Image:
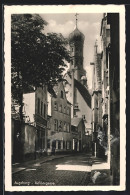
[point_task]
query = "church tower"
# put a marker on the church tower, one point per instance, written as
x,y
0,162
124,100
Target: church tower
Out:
x,y
76,81
76,42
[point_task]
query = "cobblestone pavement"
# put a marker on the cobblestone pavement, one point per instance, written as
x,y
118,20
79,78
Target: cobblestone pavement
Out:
x,y
69,171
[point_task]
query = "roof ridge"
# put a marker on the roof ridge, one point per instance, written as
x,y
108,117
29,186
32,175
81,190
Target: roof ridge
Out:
x,y
84,92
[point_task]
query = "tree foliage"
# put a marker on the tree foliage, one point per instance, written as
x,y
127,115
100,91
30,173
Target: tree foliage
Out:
x,y
36,58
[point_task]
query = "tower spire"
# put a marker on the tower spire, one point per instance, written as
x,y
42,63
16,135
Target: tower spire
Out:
x,y
76,19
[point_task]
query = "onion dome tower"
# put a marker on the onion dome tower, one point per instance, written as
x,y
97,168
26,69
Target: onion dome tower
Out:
x,y
76,42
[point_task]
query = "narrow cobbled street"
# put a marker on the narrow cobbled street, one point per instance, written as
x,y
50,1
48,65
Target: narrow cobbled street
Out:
x,y
70,170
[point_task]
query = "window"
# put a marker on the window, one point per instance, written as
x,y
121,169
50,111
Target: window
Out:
x,y
55,106
60,125
83,117
59,144
68,145
65,109
64,126
96,102
48,143
73,128
54,144
38,106
63,144
48,125
44,110
41,108
62,94
60,108
72,49
55,124
68,111
68,127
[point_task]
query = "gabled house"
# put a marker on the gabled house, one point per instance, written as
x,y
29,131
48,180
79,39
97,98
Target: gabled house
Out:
x,y
29,136
35,110
78,133
59,121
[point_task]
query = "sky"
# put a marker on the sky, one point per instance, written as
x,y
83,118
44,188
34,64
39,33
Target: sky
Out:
x,y
89,24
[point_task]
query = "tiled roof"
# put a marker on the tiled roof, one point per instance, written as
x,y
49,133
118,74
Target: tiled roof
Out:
x,y
75,121
69,102
84,92
52,91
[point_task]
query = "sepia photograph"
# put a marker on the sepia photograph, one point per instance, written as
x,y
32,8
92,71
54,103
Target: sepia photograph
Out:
x,y
64,98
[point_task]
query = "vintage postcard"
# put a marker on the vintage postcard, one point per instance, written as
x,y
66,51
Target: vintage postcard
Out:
x,y
65,123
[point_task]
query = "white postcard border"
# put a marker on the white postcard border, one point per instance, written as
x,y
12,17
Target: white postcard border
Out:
x,y
8,10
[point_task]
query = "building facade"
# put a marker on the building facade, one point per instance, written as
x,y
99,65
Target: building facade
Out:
x,y
114,93
29,136
35,113
96,119
78,134
59,137
106,97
